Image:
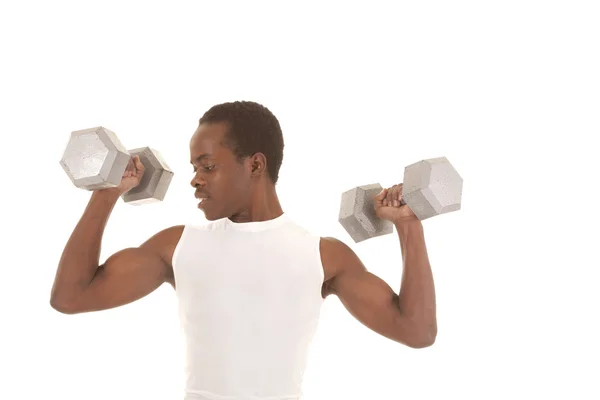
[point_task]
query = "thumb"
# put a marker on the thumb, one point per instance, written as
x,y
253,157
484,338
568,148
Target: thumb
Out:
x,y
138,163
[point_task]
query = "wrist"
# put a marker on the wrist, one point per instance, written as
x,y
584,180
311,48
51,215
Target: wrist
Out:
x,y
410,234
406,226
109,194
412,242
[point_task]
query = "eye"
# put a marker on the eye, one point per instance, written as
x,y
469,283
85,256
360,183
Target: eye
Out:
x,y
206,168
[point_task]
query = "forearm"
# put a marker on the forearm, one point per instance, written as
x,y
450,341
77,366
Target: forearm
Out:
x,y
81,255
417,291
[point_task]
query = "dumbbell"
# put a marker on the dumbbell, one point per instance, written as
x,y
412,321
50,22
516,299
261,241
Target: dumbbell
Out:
x,y
430,187
96,159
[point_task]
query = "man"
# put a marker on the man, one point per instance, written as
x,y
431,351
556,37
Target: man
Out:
x,y
250,283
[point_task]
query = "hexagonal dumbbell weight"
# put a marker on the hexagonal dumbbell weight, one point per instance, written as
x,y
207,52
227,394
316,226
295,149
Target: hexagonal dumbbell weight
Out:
x,y
95,159
430,187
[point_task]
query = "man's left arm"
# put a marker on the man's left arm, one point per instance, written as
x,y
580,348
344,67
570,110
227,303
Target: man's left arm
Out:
x,y
408,317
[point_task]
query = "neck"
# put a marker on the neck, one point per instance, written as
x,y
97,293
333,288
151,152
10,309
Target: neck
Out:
x,y
263,207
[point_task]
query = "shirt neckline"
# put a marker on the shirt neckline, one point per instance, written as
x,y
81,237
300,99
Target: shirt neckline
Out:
x,y
256,226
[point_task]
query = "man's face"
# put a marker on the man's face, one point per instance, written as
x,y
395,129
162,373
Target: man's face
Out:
x,y
217,174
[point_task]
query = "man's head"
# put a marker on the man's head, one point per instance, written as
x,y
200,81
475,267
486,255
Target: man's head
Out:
x,y
236,151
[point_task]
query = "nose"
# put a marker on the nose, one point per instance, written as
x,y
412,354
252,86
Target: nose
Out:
x,y
196,181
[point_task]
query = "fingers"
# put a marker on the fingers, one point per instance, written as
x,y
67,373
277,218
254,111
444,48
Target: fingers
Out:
x,y
134,166
128,168
381,195
397,196
390,197
394,196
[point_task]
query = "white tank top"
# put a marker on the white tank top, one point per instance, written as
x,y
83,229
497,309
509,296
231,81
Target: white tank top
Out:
x,y
249,298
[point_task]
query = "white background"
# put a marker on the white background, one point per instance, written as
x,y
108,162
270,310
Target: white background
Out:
x,y
508,91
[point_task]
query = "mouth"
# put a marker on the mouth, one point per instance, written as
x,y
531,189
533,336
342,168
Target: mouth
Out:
x,y
202,201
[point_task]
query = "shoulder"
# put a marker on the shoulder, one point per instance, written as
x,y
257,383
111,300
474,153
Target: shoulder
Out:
x,y
165,241
337,258
337,254
162,245
167,236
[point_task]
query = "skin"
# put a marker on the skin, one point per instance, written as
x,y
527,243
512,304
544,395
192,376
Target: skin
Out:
x,y
243,192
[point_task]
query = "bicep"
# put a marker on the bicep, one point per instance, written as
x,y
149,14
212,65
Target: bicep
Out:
x,y
368,298
130,274
125,277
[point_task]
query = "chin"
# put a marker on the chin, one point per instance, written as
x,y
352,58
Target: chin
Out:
x,y
211,216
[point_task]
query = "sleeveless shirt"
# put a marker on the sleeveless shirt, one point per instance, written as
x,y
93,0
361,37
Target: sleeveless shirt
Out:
x,y
249,300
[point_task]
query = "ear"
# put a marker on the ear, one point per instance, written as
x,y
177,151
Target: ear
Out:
x,y
258,164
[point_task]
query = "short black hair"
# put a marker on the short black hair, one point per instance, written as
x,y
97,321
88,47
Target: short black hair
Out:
x,y
252,128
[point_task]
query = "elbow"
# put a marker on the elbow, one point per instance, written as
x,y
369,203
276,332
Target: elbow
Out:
x,y
423,341
66,299
62,307
63,304
421,338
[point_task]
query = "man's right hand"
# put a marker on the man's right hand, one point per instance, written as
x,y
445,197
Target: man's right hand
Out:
x,y
132,175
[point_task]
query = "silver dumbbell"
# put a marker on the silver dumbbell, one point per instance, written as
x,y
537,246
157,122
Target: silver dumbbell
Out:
x,y
430,187
96,159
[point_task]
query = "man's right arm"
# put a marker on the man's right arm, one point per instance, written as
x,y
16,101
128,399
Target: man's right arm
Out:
x,y
82,284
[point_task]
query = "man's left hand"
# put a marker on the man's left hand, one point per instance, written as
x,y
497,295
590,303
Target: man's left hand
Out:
x,y
387,206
